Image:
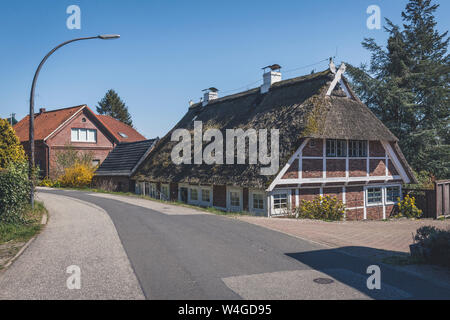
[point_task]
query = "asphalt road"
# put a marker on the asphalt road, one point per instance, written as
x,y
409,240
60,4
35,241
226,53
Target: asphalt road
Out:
x,y
180,253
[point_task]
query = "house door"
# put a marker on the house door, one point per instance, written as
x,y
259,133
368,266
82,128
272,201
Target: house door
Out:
x,y
184,194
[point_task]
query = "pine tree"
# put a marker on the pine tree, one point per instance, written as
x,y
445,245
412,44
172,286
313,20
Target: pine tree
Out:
x,y
407,87
113,106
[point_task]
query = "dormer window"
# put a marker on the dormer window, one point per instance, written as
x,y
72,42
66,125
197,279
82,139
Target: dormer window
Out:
x,y
123,135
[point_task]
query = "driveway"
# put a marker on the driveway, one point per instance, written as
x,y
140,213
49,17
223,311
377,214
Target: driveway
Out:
x,y
181,253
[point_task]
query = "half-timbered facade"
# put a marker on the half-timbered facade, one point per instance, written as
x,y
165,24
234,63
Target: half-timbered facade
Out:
x,y
330,143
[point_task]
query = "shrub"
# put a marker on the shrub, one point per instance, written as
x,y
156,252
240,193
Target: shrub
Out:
x,y
69,157
407,208
79,175
323,208
47,182
14,192
435,243
11,151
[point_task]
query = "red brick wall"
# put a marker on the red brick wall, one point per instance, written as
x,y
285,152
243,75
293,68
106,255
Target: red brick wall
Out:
x,y
376,149
354,196
335,168
292,172
312,168
377,167
309,194
357,167
173,190
374,213
62,138
333,192
313,151
220,196
392,171
355,214
245,199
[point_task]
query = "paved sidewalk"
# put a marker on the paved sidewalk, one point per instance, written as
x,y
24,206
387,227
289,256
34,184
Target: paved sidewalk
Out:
x,y
385,235
81,234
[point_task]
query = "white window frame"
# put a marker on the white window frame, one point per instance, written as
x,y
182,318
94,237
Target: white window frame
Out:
x,y
278,212
375,204
240,192
209,189
190,200
399,186
78,130
251,204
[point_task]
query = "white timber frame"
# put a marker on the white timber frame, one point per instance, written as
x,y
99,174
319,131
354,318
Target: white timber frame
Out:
x,y
390,159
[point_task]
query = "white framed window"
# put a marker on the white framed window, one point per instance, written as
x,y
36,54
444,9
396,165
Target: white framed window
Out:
x,y
83,135
280,201
164,192
374,195
357,148
336,148
194,194
392,194
258,201
206,195
235,199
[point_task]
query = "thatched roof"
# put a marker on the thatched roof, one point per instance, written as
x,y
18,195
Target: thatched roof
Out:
x,y
298,107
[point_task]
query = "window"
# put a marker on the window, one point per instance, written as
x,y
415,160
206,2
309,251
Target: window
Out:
x,y
205,195
374,195
84,135
95,162
164,192
235,199
392,193
123,135
357,148
153,192
336,148
194,194
137,187
280,201
258,201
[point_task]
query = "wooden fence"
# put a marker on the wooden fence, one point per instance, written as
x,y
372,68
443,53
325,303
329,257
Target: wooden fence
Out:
x,y
434,203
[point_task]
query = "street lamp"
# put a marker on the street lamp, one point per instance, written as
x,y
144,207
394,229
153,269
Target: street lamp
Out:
x,y
31,129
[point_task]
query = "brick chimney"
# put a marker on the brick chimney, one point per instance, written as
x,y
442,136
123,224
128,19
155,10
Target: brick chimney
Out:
x,y
271,75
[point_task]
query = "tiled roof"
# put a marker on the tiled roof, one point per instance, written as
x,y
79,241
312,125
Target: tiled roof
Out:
x,y
121,131
44,123
124,158
47,122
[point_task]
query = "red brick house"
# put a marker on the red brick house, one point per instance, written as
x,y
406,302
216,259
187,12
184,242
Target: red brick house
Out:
x,y
76,126
330,143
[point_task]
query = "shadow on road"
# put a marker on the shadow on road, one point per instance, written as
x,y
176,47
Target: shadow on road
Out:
x,y
348,267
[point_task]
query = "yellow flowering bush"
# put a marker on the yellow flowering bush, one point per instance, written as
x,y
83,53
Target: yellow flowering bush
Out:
x,y
47,182
11,151
323,208
79,175
407,207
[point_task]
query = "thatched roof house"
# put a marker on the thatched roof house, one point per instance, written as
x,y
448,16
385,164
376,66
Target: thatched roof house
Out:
x,y
314,108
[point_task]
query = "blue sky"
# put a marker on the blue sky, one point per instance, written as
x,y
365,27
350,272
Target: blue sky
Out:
x,y
170,50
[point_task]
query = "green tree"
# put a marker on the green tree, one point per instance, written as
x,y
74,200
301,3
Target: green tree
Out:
x,y
11,151
113,106
407,86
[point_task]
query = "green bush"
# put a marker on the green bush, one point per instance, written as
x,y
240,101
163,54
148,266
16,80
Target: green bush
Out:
x,y
435,245
14,192
323,208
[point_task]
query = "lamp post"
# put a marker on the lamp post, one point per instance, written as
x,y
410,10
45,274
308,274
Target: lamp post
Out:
x,y
31,127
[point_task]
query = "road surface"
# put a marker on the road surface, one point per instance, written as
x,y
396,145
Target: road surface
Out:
x,y
181,253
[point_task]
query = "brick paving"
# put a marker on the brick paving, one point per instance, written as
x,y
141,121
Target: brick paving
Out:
x,y
385,235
